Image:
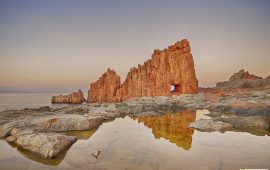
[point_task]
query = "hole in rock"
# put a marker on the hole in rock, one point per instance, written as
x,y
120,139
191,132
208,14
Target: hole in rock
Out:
x,y
174,88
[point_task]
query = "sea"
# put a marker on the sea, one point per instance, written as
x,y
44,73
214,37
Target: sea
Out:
x,y
14,101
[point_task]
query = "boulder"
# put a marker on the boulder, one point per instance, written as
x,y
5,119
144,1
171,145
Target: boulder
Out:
x,y
6,129
210,125
54,123
48,145
243,122
65,123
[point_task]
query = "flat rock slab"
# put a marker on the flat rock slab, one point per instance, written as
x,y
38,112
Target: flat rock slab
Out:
x,y
53,123
49,145
65,122
240,122
209,125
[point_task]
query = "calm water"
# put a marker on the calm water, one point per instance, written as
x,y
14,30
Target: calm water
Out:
x,y
150,142
25,100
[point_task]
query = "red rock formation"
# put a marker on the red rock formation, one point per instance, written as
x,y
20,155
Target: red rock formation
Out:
x,y
243,79
171,67
104,89
73,98
242,75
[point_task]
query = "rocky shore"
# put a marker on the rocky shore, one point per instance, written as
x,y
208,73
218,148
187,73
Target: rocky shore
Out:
x,y
41,130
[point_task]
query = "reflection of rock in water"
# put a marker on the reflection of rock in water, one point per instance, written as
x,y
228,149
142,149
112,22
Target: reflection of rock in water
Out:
x,y
37,158
81,134
172,126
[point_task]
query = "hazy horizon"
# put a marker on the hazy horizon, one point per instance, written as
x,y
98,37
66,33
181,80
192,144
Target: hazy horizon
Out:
x,y
63,46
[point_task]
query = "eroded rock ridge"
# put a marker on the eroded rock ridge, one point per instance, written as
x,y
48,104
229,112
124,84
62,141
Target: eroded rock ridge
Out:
x,y
169,71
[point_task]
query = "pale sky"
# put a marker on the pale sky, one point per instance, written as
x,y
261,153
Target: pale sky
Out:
x,y
65,45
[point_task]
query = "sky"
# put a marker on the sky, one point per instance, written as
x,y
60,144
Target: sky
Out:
x,y
65,45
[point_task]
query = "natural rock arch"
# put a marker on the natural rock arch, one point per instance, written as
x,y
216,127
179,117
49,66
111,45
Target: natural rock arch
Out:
x,y
171,66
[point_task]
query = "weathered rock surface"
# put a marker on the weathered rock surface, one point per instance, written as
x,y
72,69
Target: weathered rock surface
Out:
x,y
257,123
49,145
34,133
210,125
73,98
170,68
243,75
243,79
35,129
6,129
242,122
70,122
104,90
53,123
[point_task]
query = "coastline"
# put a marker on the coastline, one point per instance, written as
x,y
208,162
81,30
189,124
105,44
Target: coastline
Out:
x,y
246,110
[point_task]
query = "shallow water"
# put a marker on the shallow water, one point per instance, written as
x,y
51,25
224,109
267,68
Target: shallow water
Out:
x,y
150,142
26,100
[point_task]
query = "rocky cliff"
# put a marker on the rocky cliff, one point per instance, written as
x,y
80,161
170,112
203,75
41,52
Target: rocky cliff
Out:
x,y
73,98
104,89
170,71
